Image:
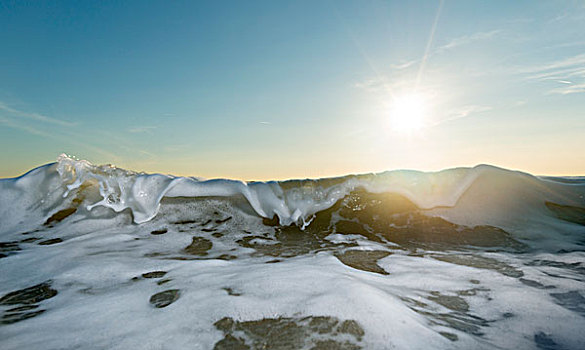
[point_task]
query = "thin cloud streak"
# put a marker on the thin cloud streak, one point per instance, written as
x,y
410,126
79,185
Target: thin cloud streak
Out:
x,y
452,44
563,63
34,116
561,74
468,39
568,71
142,129
15,125
569,89
404,65
372,85
462,112
58,130
55,136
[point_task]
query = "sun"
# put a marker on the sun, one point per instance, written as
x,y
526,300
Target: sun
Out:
x,y
407,113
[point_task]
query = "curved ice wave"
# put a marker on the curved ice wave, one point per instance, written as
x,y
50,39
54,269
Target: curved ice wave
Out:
x,y
480,195
293,201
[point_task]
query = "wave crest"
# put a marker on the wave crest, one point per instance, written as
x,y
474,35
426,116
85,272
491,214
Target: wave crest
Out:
x,y
482,195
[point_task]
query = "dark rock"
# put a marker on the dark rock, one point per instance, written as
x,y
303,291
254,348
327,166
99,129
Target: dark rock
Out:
x,y
199,246
51,241
314,332
481,262
230,342
334,345
351,327
23,308
60,216
224,220
567,213
225,324
544,342
365,260
166,298
322,324
185,222
231,292
275,221
159,232
8,248
10,318
227,257
29,295
154,274
450,336
454,303
535,284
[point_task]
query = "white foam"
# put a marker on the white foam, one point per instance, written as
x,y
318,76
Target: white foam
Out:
x,y
483,195
100,306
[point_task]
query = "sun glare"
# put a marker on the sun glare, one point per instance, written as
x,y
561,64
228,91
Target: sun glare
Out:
x,y
407,113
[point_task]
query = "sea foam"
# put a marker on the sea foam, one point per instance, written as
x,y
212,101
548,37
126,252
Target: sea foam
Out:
x,y
482,195
98,257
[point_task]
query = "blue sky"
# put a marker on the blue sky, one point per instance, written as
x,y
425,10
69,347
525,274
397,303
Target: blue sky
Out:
x,y
281,89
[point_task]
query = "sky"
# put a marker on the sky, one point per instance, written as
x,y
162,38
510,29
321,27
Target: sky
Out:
x,y
260,90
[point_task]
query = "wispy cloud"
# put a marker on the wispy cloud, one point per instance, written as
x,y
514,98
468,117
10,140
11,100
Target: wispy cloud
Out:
x,y
370,84
575,16
122,142
450,45
142,129
404,65
29,121
57,135
569,89
176,147
467,39
462,112
519,103
37,124
576,61
16,125
570,72
559,74
33,116
521,20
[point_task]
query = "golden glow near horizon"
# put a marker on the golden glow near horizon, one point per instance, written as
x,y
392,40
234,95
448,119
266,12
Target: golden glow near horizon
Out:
x,y
380,86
